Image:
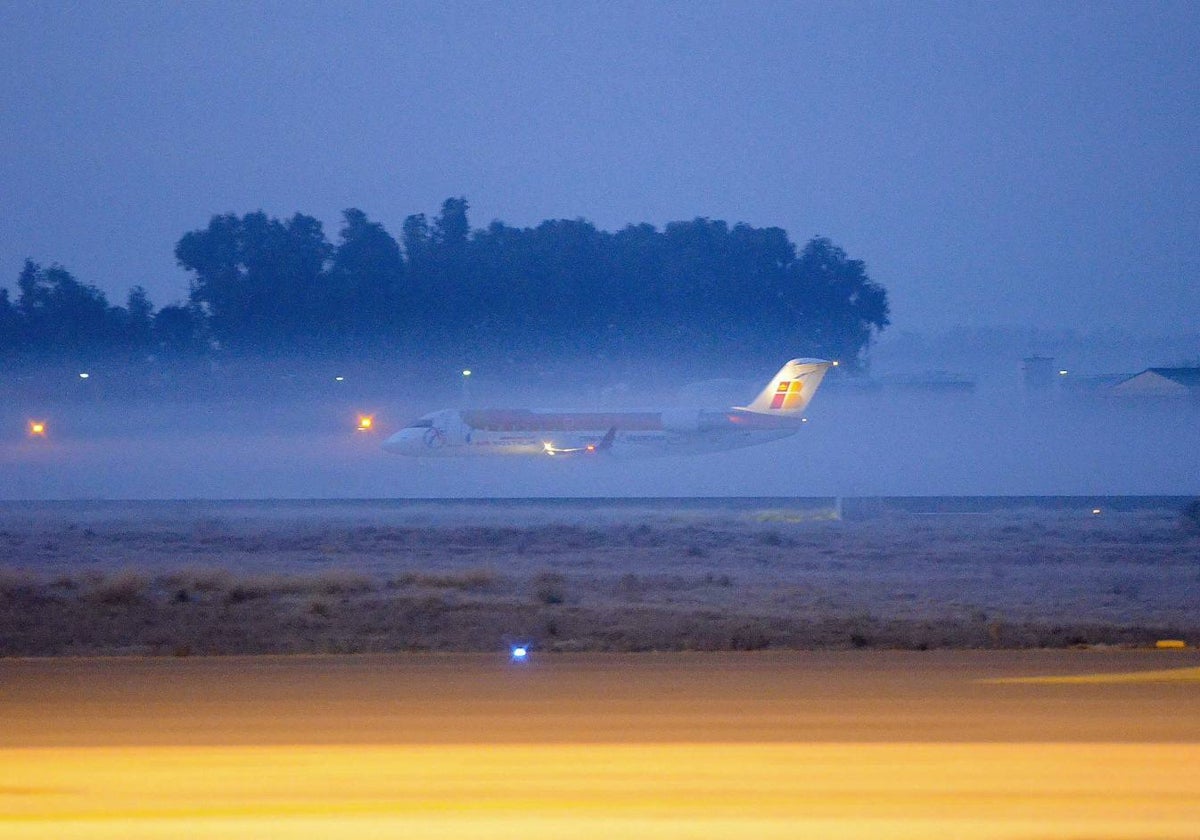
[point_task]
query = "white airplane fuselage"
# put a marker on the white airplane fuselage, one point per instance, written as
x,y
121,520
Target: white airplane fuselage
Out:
x,y
776,413
454,432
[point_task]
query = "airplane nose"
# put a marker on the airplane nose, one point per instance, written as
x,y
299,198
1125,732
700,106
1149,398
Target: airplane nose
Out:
x,y
397,443
414,441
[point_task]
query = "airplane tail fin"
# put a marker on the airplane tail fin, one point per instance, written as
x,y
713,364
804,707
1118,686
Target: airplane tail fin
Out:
x,y
791,389
607,441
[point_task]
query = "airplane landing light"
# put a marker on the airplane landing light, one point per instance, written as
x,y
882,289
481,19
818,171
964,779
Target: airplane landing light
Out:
x,y
37,428
366,422
520,653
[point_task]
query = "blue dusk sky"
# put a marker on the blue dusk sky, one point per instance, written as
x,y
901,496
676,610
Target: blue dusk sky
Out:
x,y
1017,164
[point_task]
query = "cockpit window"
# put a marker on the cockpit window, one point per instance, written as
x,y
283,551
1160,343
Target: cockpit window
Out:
x,y
421,424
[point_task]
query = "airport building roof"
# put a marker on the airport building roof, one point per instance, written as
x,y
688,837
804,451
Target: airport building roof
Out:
x,y
1161,381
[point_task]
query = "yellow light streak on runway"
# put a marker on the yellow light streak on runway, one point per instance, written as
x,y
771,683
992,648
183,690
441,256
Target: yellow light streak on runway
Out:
x,y
775,745
585,791
1166,675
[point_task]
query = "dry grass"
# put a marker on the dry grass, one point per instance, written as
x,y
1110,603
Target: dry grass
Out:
x,y
121,588
549,588
18,583
471,579
1012,579
203,579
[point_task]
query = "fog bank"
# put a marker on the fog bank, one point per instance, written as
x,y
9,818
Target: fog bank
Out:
x,y
885,439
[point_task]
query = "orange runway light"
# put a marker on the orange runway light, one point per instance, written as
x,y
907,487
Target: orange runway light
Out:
x,y
365,422
37,428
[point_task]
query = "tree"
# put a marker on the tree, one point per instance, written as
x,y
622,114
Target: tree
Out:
x,y
636,302
442,276
696,272
218,287
178,329
366,277
259,280
416,238
10,325
282,273
835,302
450,229
562,286
62,315
568,262
139,319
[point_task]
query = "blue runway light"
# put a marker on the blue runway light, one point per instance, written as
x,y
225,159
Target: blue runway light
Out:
x,y
520,653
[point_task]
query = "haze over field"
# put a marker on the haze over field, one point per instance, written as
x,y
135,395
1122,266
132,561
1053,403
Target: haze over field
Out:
x,y
889,442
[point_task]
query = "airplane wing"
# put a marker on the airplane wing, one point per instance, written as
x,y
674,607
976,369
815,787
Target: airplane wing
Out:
x,y
604,445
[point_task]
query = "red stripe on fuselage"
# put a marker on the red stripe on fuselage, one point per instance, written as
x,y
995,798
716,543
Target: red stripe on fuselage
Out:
x,y
500,420
535,421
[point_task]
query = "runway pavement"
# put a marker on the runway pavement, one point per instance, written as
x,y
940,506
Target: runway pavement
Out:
x,y
1039,744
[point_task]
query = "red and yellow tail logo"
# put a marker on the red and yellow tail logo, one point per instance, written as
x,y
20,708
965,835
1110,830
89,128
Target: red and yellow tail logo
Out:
x,y
787,394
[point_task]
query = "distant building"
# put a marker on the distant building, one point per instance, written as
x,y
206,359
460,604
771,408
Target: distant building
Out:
x,y
1039,373
1091,385
1161,382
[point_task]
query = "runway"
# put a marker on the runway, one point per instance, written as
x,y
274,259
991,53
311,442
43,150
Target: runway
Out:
x,y
1040,744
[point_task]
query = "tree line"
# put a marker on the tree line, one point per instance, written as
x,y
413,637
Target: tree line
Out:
x,y
263,284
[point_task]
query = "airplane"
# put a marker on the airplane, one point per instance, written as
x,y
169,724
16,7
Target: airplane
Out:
x,y
776,413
